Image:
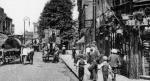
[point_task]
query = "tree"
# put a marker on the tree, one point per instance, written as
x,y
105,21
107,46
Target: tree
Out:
x,y
57,14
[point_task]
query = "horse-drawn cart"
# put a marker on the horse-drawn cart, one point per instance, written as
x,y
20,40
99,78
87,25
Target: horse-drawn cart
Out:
x,y
48,51
46,55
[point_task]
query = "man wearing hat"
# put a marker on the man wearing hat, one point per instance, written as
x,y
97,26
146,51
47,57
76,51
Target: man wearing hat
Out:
x,y
25,52
114,60
63,49
106,68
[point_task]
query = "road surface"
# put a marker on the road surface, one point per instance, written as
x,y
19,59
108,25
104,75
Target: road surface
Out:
x,y
39,71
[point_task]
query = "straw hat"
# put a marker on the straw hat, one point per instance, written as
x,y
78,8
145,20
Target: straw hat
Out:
x,y
114,51
105,58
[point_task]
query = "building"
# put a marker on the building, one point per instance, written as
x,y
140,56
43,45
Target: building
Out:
x,y
121,24
28,35
6,26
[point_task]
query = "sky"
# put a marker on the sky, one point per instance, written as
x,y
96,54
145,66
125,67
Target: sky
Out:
x,y
19,9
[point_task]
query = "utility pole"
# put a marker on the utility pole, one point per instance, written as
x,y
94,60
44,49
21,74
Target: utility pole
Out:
x,y
94,20
24,32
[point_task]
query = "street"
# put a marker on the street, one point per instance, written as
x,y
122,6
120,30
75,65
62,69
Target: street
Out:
x,y
39,71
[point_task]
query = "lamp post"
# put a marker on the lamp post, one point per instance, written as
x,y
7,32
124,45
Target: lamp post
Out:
x,y
94,20
84,11
25,19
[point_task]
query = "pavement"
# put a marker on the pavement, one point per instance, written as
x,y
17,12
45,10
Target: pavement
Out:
x,y
39,71
67,58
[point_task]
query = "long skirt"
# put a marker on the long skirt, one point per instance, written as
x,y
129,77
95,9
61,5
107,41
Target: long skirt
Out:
x,y
81,73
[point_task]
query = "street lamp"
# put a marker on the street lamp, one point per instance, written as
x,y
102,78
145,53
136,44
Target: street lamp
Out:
x,y
25,19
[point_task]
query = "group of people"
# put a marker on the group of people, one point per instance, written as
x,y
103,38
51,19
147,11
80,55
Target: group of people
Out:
x,y
27,53
108,64
51,49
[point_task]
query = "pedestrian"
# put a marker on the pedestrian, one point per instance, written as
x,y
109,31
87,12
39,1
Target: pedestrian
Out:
x,y
106,68
74,55
81,63
25,52
56,55
93,65
88,53
114,61
31,54
73,52
63,49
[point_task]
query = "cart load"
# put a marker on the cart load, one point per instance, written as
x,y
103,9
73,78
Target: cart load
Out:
x,y
10,50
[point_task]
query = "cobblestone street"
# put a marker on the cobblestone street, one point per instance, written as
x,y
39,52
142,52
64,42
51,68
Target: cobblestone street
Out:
x,y
39,71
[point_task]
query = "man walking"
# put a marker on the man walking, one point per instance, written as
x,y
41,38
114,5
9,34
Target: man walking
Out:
x,y
114,61
93,65
88,53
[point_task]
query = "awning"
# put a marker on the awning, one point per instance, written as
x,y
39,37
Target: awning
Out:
x,y
82,40
18,41
12,42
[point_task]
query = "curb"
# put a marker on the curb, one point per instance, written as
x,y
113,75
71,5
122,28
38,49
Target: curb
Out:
x,y
70,68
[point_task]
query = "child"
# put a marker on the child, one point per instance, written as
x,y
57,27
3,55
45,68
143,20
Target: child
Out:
x,y
81,62
106,68
56,55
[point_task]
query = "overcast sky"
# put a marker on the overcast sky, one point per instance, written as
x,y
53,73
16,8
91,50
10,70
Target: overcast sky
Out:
x,y
18,9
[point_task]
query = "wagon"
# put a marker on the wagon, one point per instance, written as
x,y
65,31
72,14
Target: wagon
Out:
x,y
48,53
29,58
10,50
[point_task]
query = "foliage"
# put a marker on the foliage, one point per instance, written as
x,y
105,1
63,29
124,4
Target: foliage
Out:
x,y
57,14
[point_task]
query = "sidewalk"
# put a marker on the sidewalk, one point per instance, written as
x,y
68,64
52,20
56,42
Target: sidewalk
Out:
x,y
69,61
